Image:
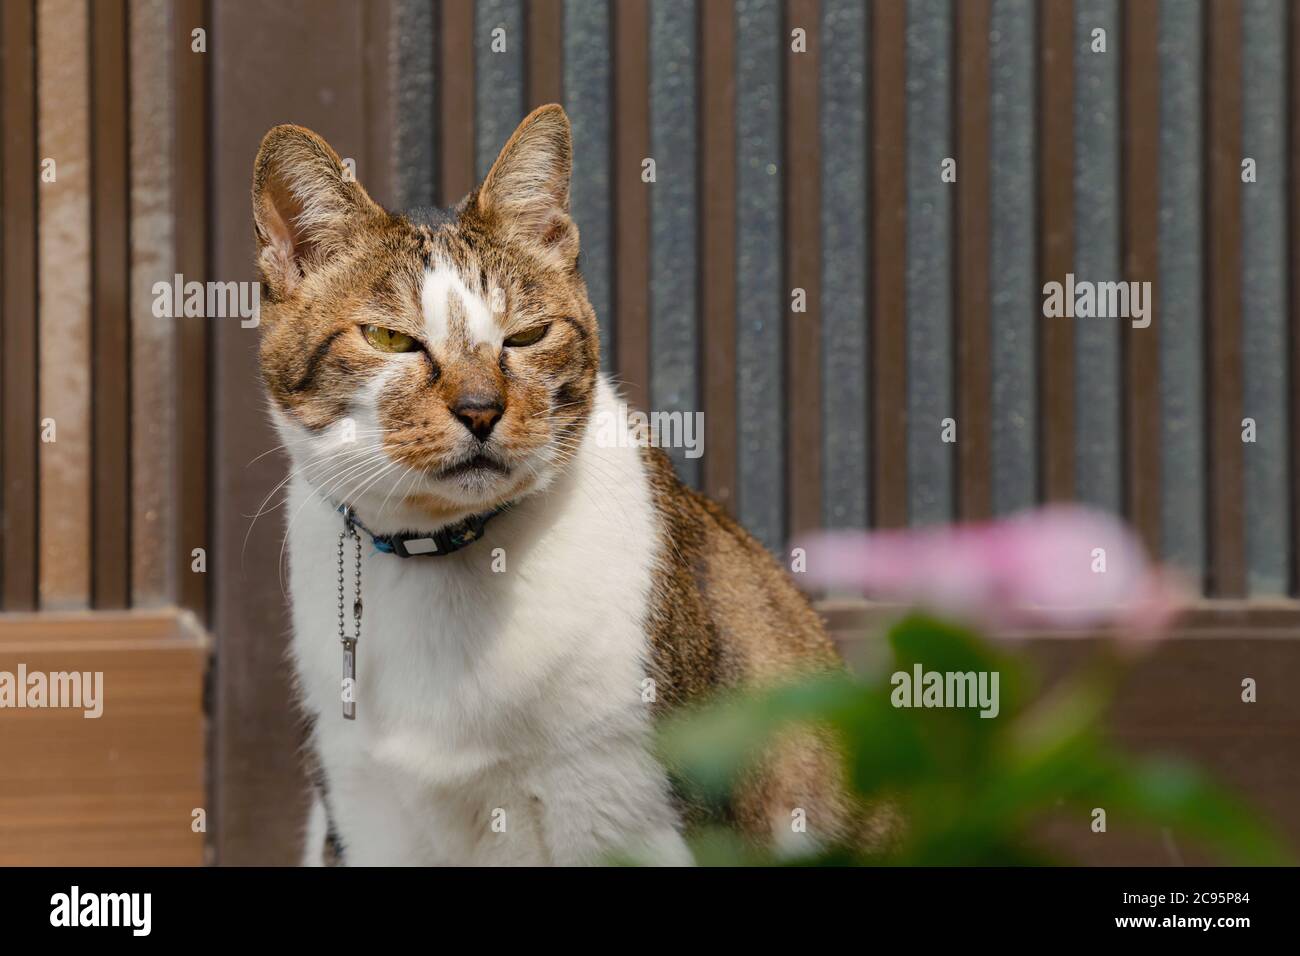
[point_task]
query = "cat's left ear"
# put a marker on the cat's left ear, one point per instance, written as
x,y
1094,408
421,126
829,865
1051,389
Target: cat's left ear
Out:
x,y
306,206
525,197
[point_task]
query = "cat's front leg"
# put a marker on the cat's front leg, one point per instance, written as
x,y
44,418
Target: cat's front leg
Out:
x,y
317,831
607,803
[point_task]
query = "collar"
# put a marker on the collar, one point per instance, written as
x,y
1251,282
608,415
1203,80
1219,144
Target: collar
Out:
x,y
412,544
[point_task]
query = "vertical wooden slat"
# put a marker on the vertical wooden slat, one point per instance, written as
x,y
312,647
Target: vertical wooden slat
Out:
x,y
845,320
632,199
500,77
1141,193
931,371
190,194
1227,560
63,90
1056,245
1293,252
717,136
588,72
414,103
1265,491
888,263
455,70
803,268
1017,313
1184,462
292,60
110,229
154,382
18,184
380,172
545,52
674,218
190,176
972,316
1098,252
762,301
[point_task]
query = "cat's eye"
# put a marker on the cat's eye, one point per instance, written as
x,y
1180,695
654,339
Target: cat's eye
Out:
x,y
388,340
528,337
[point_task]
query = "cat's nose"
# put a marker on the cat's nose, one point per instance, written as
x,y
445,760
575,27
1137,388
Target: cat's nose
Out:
x,y
480,416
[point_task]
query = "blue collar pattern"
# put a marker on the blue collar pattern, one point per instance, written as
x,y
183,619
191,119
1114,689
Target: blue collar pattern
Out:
x,y
419,544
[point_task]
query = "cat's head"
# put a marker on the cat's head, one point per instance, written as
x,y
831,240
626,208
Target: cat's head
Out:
x,y
447,364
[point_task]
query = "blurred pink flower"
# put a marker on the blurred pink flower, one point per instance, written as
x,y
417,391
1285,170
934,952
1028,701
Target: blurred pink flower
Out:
x,y
1060,568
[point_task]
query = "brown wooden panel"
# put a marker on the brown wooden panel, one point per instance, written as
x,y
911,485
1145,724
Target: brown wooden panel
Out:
x,y
972,316
802,183
1182,700
889,263
1264,618
380,170
1180,697
717,270
1141,192
1223,361
190,207
302,62
110,191
119,789
18,274
455,69
545,52
63,90
631,29
1056,244
79,627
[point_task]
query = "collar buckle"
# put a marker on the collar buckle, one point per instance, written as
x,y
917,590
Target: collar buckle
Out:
x,y
405,546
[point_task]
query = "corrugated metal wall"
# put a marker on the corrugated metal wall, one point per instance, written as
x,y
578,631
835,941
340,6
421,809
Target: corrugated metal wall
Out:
x,y
926,306
775,170
1083,410
1079,410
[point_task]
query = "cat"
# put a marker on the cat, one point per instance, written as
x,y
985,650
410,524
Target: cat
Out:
x,y
437,373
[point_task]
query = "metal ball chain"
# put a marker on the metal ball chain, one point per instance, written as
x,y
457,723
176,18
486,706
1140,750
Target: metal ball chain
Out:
x,y
349,643
350,531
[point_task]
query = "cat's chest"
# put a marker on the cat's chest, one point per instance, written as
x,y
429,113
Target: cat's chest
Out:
x,y
522,643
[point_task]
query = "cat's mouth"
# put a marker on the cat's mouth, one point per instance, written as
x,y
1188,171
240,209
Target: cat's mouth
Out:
x,y
480,465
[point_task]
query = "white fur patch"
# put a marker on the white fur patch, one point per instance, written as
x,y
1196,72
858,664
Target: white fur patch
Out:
x,y
500,711
480,326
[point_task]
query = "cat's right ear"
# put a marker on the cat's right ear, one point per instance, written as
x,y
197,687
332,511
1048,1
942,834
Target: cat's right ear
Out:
x,y
525,196
305,204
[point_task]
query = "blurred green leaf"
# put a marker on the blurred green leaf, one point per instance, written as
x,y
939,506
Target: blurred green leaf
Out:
x,y
939,645
709,747
971,790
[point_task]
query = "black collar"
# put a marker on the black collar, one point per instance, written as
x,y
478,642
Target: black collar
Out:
x,y
422,544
